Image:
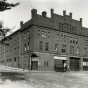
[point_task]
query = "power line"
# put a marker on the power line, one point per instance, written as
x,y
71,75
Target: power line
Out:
x,y
30,4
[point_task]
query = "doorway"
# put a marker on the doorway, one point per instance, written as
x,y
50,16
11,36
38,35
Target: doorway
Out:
x,y
34,65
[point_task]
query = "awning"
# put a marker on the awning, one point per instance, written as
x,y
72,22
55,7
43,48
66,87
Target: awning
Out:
x,y
34,55
60,58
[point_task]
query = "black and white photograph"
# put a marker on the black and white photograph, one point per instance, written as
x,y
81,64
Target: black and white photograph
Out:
x,y
43,44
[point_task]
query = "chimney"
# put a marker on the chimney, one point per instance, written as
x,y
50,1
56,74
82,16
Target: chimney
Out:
x,y
33,12
44,13
81,21
21,24
52,11
64,13
70,14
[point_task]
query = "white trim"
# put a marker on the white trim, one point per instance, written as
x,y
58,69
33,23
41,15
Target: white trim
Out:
x,y
60,58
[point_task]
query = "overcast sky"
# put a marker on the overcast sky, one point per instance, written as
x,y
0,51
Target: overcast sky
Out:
x,y
12,17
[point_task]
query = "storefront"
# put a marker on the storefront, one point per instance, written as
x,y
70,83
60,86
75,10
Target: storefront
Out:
x,y
60,61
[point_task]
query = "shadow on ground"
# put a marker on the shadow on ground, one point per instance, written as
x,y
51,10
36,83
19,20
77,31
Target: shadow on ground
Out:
x,y
13,76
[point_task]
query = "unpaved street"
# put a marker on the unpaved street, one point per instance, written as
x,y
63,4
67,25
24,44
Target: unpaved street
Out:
x,y
46,80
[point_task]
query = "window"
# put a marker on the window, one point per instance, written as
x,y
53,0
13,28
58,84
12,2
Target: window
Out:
x,y
25,35
59,25
62,26
56,47
85,62
14,50
63,48
86,42
70,28
14,61
76,40
48,34
73,40
85,51
58,37
75,29
46,64
61,38
71,49
83,41
25,47
77,50
46,46
28,34
64,38
28,46
41,45
43,34
67,26
70,39
67,39
39,33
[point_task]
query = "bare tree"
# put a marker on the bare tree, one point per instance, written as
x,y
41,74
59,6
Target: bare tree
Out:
x,y
4,5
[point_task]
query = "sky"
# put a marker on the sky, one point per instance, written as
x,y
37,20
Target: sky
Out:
x,y
12,18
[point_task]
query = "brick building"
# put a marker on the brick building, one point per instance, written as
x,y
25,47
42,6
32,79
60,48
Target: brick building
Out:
x,y
43,43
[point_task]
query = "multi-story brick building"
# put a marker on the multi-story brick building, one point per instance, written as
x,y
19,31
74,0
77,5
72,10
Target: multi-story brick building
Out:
x,y
43,42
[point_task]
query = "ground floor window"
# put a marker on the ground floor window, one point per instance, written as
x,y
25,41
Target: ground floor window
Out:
x,y
85,64
46,64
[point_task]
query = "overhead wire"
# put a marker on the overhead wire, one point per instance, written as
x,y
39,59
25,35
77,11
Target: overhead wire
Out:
x,y
30,4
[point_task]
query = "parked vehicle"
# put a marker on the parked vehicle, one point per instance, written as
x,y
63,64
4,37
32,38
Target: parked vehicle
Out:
x,y
59,68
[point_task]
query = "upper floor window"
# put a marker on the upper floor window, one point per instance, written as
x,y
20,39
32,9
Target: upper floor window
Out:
x,y
56,47
48,34
62,26
59,25
28,46
61,38
83,41
71,49
64,38
85,50
76,40
25,35
46,46
77,50
63,48
70,39
73,40
43,34
58,37
41,45
28,34
39,33
67,39
86,42
75,29
67,26
25,47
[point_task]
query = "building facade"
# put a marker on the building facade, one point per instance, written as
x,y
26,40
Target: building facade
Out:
x,y
43,43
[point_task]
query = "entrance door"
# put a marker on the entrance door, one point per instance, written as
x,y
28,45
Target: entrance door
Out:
x,y
74,64
34,65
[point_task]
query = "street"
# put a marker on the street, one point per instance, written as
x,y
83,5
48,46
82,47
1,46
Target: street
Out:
x,y
45,80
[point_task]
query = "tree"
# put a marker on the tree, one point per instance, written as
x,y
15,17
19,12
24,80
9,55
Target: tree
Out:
x,y
4,5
